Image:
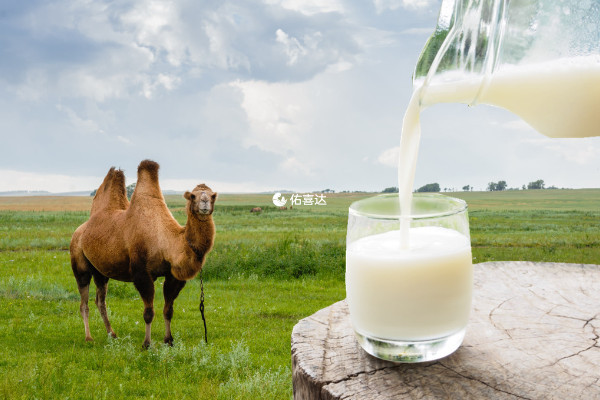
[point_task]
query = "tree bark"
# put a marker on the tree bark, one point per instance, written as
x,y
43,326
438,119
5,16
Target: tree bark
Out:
x,y
533,334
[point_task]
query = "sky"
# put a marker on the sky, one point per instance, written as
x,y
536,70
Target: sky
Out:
x,y
246,96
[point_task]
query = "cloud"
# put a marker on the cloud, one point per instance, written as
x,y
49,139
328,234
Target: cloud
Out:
x,y
580,151
390,157
298,94
80,124
123,139
310,7
102,51
13,180
518,125
292,46
278,115
156,25
383,5
418,31
219,186
294,165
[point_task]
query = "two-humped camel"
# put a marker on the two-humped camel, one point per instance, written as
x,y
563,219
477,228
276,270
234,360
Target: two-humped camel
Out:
x,y
140,241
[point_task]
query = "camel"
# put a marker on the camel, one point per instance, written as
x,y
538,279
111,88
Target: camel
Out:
x,y
139,242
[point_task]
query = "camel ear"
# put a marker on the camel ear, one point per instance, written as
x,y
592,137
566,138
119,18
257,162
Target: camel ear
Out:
x,y
187,195
214,196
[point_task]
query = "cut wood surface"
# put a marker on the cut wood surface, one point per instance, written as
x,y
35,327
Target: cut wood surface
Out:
x,y
532,334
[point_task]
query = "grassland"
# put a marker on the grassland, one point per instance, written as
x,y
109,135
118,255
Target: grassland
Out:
x,y
266,271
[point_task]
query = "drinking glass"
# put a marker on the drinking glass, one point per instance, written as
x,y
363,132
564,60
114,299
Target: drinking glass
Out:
x,y
409,303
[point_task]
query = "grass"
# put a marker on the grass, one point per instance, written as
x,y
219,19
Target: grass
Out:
x,y
266,272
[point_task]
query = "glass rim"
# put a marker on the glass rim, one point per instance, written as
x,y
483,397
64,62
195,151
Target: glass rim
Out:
x,y
457,206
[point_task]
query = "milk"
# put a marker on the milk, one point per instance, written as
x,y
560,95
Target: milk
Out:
x,y
560,98
419,293
407,164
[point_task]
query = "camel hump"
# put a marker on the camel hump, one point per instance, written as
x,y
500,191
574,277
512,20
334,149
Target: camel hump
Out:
x,y
149,166
147,183
112,193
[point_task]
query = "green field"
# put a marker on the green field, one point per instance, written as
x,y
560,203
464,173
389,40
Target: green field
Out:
x,y
266,272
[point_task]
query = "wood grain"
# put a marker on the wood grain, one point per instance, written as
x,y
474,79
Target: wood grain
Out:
x,y
533,334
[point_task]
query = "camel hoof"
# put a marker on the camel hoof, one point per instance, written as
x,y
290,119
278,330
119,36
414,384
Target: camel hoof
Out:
x,y
113,335
169,341
89,339
146,345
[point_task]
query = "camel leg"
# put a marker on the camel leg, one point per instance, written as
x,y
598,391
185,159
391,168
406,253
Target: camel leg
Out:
x,y
145,285
84,309
101,288
83,276
171,289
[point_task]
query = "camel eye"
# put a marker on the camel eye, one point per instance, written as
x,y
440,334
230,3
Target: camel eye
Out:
x,y
193,196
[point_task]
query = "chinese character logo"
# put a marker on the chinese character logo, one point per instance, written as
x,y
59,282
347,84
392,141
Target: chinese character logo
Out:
x,y
279,200
307,199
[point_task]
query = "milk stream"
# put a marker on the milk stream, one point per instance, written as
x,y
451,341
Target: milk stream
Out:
x,y
560,98
407,164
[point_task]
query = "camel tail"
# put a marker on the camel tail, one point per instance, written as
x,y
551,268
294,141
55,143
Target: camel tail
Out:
x,y
147,182
112,193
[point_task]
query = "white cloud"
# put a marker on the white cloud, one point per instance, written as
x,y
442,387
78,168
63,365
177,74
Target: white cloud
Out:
x,y
152,84
295,93
32,88
222,37
123,139
580,151
418,31
218,186
19,180
309,7
156,25
297,166
518,125
278,115
12,180
383,5
292,47
390,157
78,123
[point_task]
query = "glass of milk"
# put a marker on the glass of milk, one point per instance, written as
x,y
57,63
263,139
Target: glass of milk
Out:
x,y
409,302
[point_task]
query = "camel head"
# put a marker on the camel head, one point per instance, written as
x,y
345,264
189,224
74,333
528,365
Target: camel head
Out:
x,y
201,200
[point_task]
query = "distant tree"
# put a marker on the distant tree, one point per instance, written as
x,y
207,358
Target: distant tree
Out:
x,y
496,186
130,190
466,188
93,193
430,187
524,187
392,189
539,184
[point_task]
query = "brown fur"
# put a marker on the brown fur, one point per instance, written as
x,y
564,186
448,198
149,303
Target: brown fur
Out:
x,y
256,209
140,241
112,193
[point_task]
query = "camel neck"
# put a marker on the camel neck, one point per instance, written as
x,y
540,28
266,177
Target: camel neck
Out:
x,y
199,233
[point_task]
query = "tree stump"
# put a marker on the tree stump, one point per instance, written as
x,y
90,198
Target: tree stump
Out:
x,y
532,334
